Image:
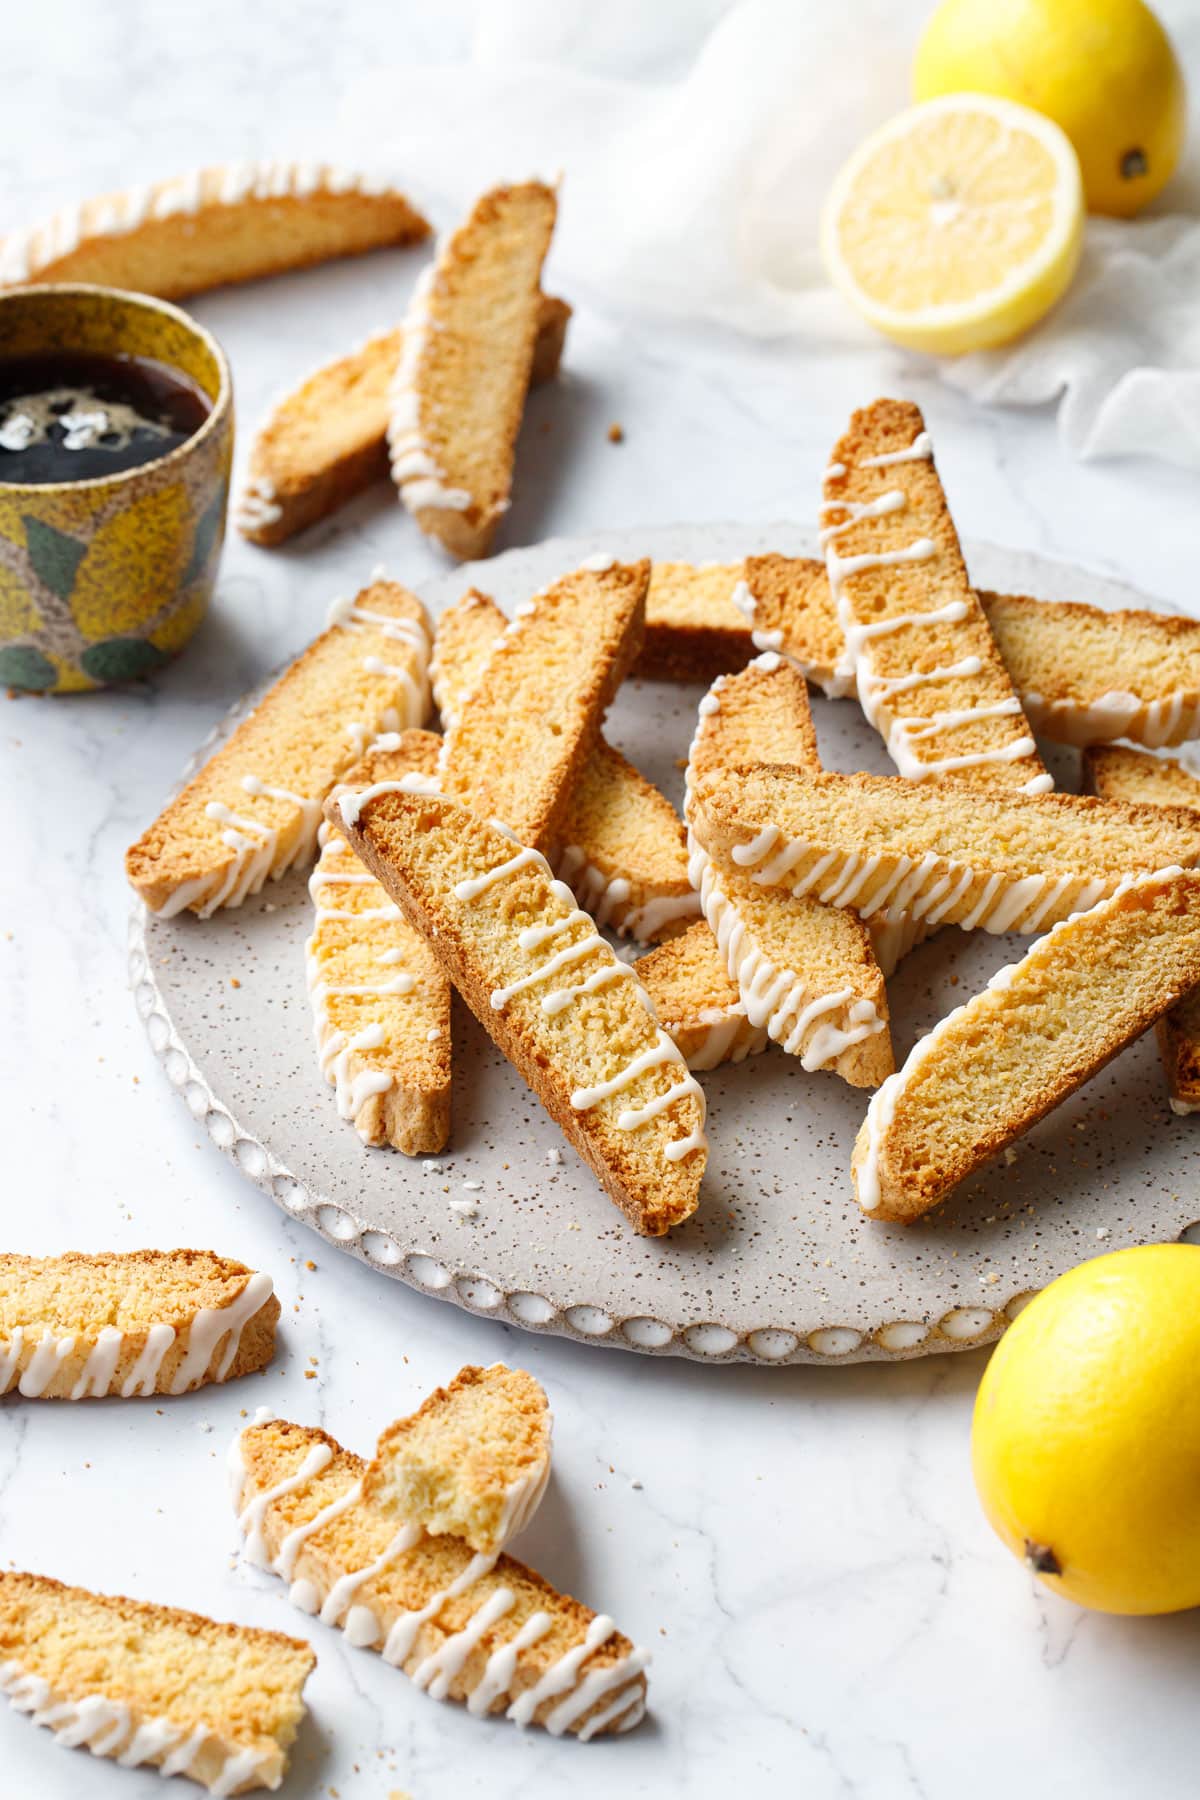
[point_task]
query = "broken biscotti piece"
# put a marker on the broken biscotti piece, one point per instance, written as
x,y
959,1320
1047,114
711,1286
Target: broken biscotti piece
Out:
x,y
928,674
465,368
536,973
213,226
381,999
694,631
1138,778
472,1462
937,851
478,1628
327,440
152,1686
515,747
624,852
697,1001
804,971
253,810
1041,1028
138,1322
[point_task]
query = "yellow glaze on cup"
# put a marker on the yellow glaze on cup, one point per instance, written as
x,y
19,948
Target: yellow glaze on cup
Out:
x,y
105,580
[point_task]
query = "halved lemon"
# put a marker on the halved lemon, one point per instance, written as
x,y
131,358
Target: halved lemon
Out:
x,y
957,225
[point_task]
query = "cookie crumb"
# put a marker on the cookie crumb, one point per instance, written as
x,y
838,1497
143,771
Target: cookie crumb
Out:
x,y
616,433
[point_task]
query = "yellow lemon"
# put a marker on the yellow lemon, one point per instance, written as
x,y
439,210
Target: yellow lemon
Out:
x,y
1086,1440
957,225
1104,70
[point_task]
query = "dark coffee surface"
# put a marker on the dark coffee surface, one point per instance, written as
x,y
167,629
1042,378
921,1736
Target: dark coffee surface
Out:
x,y
78,415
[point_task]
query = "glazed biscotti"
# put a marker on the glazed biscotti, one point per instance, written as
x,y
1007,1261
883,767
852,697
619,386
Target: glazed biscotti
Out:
x,y
1116,773
479,1628
213,226
1041,1028
926,669
516,745
138,1322
253,810
152,1686
697,1001
623,850
805,971
465,368
472,1462
380,998
327,440
538,976
937,851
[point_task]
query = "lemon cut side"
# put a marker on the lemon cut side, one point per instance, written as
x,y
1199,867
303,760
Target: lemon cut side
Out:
x,y
957,225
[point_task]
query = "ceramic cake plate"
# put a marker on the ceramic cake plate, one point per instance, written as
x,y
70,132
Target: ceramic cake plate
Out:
x,y
778,1266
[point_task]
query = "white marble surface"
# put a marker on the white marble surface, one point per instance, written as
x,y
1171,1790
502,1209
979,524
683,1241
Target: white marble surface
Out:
x,y
802,1548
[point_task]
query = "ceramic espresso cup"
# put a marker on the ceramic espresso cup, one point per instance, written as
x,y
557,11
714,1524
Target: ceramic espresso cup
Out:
x,y
103,580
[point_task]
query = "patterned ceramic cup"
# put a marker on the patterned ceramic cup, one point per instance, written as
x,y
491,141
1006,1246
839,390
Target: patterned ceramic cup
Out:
x,y
104,580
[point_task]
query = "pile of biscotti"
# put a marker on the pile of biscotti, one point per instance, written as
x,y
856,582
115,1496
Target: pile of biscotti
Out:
x,y
492,856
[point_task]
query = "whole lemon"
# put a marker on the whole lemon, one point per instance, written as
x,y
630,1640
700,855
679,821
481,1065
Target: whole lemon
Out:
x,y
1086,1437
1104,70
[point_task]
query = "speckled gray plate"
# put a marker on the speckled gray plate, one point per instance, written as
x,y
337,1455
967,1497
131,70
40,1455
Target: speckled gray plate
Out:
x,y
778,1266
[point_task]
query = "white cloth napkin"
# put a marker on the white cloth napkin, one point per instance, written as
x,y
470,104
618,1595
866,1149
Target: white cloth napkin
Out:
x,y
697,140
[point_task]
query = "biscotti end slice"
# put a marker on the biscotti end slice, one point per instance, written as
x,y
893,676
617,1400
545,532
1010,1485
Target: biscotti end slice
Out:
x,y
1140,778
525,730
473,1460
76,1327
805,972
253,810
381,1000
694,629
1041,1028
532,967
697,1001
153,1686
460,386
927,671
936,851
480,1628
327,440
214,226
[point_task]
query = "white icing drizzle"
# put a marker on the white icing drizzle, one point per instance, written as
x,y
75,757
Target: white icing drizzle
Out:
x,y
336,1606
26,254
351,802
726,1037
1147,724
106,1727
600,563
252,1517
405,1628
920,450
497,1677
415,469
257,506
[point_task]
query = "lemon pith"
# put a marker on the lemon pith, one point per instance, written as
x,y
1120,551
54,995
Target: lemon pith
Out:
x,y
1104,70
957,225
1086,1435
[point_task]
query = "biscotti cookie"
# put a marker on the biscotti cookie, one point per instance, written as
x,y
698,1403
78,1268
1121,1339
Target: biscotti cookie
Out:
x,y
694,632
465,368
1139,778
138,1322
327,440
697,1001
472,1462
253,810
1041,1028
213,226
937,850
153,1686
804,971
381,1000
623,852
517,744
541,980
928,674
472,1627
